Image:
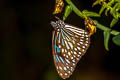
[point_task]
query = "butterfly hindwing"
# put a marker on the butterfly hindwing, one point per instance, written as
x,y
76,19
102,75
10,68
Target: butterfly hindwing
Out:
x,y
81,38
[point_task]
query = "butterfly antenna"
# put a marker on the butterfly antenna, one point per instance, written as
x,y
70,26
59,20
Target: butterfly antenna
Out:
x,y
57,18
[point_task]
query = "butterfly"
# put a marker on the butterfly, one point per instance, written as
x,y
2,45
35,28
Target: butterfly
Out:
x,y
69,44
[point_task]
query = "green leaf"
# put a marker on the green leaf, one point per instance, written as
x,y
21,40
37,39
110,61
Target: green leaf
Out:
x,y
114,32
116,39
116,5
106,39
115,9
95,3
113,22
118,15
102,9
106,11
113,12
68,10
110,3
90,14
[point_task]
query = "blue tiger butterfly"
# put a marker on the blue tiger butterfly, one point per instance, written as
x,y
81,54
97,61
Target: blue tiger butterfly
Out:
x,y
69,44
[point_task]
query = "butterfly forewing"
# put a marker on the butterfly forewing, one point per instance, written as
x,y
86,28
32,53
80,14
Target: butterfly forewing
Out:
x,y
69,45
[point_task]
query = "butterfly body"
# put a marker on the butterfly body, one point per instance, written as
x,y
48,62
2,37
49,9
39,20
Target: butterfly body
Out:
x,y
69,44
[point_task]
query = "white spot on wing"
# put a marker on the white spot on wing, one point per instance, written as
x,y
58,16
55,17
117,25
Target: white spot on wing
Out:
x,y
60,67
73,60
69,53
67,44
83,50
62,50
70,45
65,50
75,49
63,54
86,44
73,41
78,44
78,55
74,56
83,46
65,68
57,67
78,48
73,64
83,35
66,56
66,63
71,68
61,74
59,46
86,35
68,67
78,59
86,38
68,71
66,74
75,53
81,42
67,60
86,41
79,52
71,57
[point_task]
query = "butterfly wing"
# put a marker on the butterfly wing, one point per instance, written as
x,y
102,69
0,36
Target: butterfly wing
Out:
x,y
68,45
62,64
80,38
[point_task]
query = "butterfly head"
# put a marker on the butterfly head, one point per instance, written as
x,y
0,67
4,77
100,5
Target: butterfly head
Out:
x,y
58,24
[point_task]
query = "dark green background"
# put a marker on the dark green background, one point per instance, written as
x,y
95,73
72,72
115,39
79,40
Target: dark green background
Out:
x,y
25,43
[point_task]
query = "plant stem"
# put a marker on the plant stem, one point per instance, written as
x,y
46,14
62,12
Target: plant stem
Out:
x,y
75,9
104,28
100,26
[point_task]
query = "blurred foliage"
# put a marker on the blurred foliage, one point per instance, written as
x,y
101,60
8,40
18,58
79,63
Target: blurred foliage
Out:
x,y
50,75
111,6
106,39
116,39
68,10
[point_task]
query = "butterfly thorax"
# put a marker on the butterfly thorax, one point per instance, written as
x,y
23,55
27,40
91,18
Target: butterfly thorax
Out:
x,y
58,25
